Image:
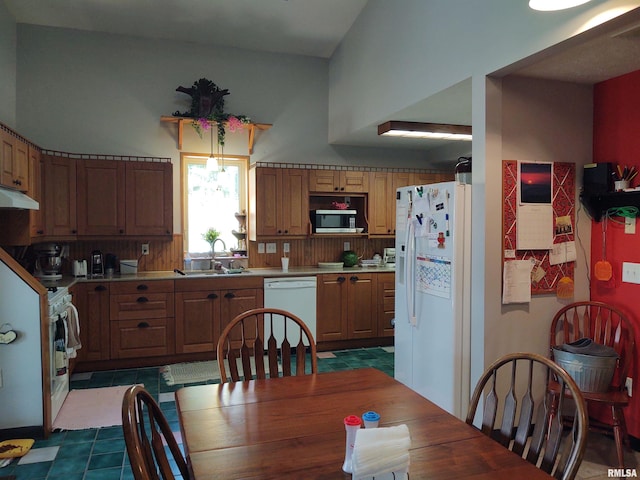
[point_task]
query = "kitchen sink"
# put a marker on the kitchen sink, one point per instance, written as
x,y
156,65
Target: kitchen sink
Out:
x,y
208,273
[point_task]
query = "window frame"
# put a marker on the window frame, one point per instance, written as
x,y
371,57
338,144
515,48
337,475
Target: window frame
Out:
x,y
197,158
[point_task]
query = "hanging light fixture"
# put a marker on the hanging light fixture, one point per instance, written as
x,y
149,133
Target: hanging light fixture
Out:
x,y
212,162
553,5
394,128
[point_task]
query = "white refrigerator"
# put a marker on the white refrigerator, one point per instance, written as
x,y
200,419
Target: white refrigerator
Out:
x,y
433,289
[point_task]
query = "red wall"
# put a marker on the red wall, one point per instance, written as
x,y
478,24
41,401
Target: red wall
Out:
x,y
616,138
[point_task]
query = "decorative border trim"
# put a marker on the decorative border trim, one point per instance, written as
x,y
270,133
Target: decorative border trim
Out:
x,y
345,168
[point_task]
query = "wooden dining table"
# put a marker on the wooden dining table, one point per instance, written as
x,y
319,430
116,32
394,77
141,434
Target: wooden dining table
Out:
x,y
293,427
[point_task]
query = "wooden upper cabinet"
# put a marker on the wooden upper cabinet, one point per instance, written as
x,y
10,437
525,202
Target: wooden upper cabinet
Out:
x,y
338,181
101,197
381,204
60,197
14,162
149,198
36,217
426,178
278,202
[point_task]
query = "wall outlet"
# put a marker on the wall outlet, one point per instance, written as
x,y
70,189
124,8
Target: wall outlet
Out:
x,y
629,385
271,248
285,247
145,249
347,246
260,247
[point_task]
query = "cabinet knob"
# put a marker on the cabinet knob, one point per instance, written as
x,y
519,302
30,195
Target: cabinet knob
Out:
x,y
341,279
100,288
121,230
335,188
286,231
212,296
142,286
142,299
354,278
40,232
229,295
74,231
168,232
342,189
143,325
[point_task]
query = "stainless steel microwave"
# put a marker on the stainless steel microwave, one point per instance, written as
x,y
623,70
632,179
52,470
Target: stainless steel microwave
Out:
x,y
333,221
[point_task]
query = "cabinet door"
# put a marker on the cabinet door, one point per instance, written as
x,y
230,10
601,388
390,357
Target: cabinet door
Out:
x,y
92,302
294,201
149,198
331,322
21,166
264,201
323,181
235,302
361,306
101,197
352,181
60,196
142,338
36,217
7,152
197,321
386,295
381,204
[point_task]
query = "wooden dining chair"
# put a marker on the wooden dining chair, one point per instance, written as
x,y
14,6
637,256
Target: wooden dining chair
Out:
x,y
146,432
288,341
606,325
521,379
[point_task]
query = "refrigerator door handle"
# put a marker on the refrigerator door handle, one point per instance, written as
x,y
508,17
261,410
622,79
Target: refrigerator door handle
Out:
x,y
409,280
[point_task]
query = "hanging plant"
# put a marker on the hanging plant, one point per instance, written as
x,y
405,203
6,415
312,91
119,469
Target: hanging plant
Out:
x,y
207,106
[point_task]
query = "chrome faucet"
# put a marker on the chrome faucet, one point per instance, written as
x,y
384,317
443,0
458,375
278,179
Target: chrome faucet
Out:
x,y
213,245
231,263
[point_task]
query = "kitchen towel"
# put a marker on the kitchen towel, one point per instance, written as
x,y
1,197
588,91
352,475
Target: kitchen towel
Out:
x,y
381,451
72,331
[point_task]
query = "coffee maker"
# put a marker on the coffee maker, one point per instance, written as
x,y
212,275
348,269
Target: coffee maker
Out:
x,y
97,264
48,261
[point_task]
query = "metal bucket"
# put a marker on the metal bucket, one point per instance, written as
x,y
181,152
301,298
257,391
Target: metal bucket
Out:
x,y
591,373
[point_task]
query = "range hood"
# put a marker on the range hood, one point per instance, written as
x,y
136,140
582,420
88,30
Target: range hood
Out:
x,y
14,199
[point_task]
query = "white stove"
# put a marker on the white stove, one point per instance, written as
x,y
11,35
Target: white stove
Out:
x,y
58,299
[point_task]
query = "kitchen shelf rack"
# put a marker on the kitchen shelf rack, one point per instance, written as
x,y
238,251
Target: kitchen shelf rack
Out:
x,y
598,203
181,121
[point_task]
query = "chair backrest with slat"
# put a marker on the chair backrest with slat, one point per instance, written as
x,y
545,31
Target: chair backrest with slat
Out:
x,y
604,324
146,432
243,349
519,418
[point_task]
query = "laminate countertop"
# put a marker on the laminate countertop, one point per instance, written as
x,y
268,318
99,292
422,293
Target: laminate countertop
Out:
x,y
68,281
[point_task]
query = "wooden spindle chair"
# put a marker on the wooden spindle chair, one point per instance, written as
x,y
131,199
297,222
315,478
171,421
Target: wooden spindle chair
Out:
x,y
145,427
606,325
288,342
536,436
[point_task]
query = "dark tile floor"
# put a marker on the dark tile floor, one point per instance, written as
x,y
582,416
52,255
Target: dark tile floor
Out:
x,y
99,454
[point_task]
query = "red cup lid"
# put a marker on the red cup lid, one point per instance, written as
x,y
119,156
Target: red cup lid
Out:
x,y
352,420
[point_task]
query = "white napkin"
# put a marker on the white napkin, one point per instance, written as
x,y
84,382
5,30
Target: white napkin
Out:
x,y
381,450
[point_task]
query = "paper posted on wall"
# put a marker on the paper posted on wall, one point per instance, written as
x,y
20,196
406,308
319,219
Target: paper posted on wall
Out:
x,y
516,281
562,253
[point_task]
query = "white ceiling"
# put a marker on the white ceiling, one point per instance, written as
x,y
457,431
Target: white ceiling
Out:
x,y
315,28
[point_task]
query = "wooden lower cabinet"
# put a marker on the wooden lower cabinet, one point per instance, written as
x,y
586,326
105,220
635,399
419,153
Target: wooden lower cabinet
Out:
x,y
142,319
205,306
92,302
386,297
346,306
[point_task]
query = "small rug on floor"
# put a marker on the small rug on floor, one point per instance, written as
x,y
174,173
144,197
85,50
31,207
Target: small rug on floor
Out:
x,y
194,372
91,408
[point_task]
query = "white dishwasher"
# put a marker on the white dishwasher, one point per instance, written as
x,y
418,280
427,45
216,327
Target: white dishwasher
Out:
x,y
293,294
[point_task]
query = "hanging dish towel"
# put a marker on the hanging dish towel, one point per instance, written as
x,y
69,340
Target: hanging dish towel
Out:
x,y
72,331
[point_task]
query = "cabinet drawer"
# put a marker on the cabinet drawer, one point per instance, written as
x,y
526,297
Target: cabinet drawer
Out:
x,y
141,338
141,306
153,286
